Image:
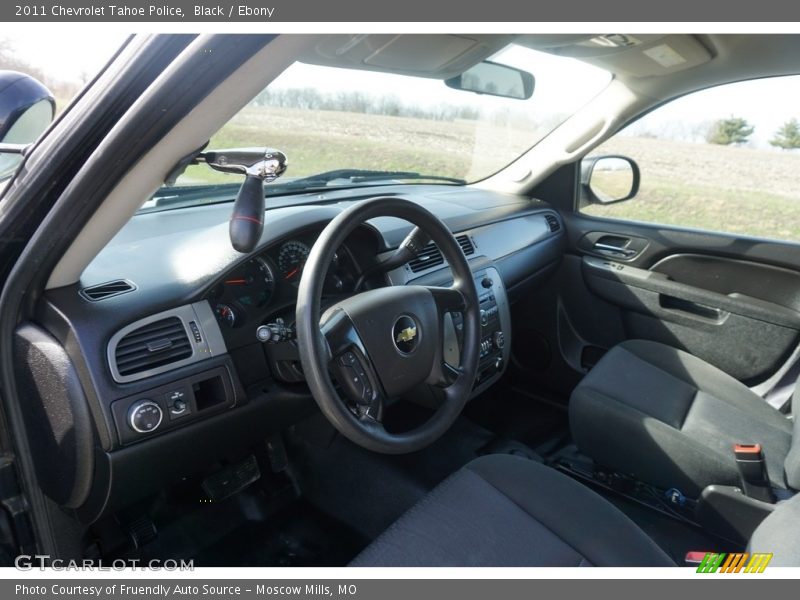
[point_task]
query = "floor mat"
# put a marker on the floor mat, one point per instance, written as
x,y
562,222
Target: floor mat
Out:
x,y
519,415
300,536
247,530
367,490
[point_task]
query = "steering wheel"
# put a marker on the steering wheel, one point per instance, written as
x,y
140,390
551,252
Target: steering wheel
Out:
x,y
384,342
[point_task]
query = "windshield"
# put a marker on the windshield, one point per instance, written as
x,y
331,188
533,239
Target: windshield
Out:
x,y
369,128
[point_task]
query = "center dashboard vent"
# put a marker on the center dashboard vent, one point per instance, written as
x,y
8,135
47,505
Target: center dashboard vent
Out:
x,y
431,256
151,346
95,293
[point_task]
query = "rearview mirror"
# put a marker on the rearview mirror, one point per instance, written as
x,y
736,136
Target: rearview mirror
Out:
x,y
494,79
26,109
609,179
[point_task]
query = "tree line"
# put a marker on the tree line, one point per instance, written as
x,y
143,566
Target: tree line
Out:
x,y
737,131
360,102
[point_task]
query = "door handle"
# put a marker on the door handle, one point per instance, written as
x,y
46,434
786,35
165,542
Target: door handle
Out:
x,y
613,249
617,246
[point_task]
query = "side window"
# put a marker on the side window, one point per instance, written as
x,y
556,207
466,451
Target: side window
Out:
x,y
724,159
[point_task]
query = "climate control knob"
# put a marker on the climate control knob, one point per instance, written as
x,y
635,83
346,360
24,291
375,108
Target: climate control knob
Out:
x,y
145,416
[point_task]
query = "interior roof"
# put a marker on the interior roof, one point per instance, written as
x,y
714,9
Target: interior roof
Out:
x,y
709,59
734,57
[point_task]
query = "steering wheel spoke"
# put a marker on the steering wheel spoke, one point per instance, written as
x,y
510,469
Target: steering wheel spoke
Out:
x,y
445,375
448,299
372,408
340,333
352,368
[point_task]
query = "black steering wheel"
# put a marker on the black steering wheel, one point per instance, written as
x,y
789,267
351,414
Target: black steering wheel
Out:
x,y
382,343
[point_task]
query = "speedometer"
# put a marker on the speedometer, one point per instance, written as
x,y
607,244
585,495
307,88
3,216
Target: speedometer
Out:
x,y
291,259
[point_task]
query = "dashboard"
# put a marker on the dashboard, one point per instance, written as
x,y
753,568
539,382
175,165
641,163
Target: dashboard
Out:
x,y
159,367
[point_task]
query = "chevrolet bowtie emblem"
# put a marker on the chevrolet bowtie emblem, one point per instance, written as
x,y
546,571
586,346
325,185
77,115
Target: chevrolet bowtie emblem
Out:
x,y
406,335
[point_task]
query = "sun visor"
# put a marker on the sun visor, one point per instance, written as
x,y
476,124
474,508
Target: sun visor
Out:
x,y
438,56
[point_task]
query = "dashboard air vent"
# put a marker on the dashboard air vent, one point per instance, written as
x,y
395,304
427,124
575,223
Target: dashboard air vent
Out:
x,y
466,244
154,345
102,291
431,256
552,222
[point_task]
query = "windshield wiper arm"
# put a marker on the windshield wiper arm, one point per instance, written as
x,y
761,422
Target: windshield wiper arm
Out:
x,y
378,175
361,176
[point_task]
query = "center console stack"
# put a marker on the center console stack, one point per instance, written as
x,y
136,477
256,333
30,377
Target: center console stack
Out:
x,y
495,344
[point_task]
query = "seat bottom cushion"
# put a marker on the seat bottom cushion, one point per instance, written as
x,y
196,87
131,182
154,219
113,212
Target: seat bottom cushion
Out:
x,y
671,419
507,511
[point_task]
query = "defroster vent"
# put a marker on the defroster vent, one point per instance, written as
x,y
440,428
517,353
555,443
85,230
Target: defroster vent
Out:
x,y
102,291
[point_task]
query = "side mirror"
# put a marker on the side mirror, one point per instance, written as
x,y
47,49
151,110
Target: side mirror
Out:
x,y
494,79
26,109
609,179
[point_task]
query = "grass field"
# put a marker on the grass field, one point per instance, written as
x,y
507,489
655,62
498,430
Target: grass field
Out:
x,y
721,188
739,190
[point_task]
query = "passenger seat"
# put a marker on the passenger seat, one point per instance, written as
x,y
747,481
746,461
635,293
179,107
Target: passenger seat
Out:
x,y
670,419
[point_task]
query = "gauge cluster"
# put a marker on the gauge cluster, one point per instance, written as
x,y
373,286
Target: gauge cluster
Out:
x,y
266,284
250,286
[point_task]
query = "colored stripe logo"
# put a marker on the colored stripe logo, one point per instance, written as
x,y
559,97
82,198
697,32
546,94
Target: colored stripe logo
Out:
x,y
736,562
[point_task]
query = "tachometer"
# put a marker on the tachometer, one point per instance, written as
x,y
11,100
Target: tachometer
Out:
x,y
250,285
291,259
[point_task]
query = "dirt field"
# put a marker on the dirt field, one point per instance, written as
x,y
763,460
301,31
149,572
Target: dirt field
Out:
x,y
740,190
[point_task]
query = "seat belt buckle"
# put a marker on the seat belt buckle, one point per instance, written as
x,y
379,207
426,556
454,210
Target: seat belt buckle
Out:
x,y
753,474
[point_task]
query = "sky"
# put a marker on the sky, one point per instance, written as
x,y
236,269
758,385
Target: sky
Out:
x,y
75,57
765,103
